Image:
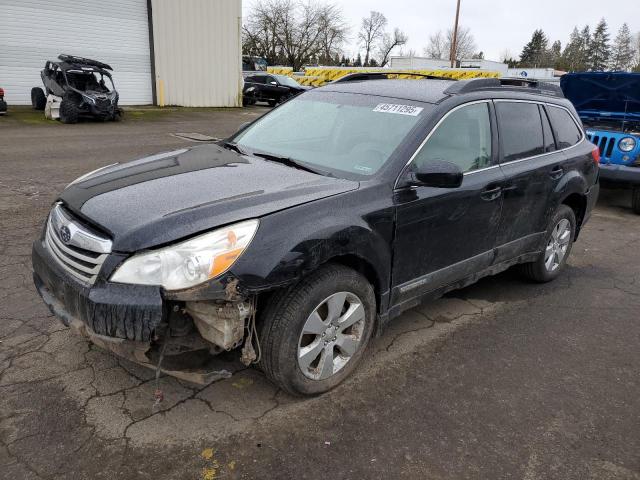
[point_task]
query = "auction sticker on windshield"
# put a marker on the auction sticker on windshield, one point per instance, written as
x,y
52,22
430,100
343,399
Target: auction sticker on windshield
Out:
x,y
398,109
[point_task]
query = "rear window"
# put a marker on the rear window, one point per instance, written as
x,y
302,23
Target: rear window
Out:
x,y
549,142
567,132
520,130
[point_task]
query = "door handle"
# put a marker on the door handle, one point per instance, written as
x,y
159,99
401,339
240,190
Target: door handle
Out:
x,y
491,194
556,172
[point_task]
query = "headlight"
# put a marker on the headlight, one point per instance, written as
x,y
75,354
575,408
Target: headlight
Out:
x,y
627,144
250,89
189,263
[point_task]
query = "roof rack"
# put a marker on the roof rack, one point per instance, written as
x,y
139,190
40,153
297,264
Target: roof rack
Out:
x,y
385,75
83,61
505,84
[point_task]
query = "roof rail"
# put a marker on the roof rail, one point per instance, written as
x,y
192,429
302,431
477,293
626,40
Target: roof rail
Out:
x,y
385,75
505,84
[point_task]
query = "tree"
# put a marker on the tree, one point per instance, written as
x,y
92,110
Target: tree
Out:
x,y
439,46
333,33
599,50
622,53
636,61
555,54
534,53
291,32
358,61
371,31
397,39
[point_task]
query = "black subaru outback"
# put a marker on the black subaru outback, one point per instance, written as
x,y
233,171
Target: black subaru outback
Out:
x,y
311,228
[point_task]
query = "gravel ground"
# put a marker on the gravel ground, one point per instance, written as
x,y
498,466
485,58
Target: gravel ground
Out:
x,y
504,379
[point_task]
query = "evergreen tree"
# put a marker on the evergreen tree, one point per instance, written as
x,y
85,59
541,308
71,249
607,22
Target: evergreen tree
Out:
x,y
599,48
555,54
373,62
534,53
622,52
585,47
358,61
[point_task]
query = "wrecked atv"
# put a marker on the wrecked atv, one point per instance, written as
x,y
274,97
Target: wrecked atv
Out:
x,y
75,87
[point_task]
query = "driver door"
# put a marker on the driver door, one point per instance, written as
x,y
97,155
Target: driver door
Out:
x,y
446,234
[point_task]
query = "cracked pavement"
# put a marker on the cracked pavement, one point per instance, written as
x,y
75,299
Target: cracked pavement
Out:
x,y
504,379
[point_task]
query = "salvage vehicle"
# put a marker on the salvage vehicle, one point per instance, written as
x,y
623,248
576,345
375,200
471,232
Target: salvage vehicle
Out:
x,y
314,226
270,88
76,87
3,104
609,106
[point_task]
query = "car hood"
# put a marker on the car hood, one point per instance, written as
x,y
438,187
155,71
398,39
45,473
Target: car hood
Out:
x,y
166,197
603,94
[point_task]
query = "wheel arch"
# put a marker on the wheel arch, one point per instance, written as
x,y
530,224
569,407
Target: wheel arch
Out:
x,y
366,269
578,203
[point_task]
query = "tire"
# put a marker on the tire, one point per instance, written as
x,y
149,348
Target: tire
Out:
x,y
544,269
38,98
272,103
635,200
69,109
289,312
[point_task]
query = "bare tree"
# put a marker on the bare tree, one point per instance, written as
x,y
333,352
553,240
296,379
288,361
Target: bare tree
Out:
x,y
439,45
436,47
293,32
333,32
389,42
371,31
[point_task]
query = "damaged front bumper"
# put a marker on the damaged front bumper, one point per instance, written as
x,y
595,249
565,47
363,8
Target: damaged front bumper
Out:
x,y
184,339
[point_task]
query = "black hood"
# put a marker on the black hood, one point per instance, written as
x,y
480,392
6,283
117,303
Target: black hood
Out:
x,y
166,197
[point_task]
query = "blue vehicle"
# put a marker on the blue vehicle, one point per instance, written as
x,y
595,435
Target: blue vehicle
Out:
x,y
609,106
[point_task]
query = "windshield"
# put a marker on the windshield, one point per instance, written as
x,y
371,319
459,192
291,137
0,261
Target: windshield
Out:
x,y
334,132
90,81
284,80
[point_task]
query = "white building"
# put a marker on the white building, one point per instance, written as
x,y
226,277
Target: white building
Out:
x,y
171,52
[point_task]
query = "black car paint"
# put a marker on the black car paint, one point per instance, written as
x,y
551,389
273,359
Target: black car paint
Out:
x,y
407,240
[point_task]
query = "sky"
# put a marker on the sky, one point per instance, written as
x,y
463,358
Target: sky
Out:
x,y
496,25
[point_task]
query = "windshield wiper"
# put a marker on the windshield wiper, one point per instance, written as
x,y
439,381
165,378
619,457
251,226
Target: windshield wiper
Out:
x,y
234,147
290,162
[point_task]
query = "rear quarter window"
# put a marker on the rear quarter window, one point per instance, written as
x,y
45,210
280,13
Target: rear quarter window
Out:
x,y
564,126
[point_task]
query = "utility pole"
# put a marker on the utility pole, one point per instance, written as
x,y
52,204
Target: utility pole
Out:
x,y
454,43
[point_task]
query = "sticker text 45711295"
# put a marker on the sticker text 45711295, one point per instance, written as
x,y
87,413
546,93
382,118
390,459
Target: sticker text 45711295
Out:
x,y
398,109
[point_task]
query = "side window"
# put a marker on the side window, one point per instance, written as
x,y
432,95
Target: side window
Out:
x,y
520,130
259,78
463,138
270,80
549,142
567,132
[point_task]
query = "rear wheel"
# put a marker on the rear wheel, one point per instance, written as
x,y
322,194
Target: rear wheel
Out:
x,y
635,200
558,242
272,103
38,98
69,111
313,335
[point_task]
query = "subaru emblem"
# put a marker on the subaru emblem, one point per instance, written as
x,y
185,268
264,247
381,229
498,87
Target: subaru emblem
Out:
x,y
65,234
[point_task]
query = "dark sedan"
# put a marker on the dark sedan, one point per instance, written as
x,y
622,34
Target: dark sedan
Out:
x,y
270,88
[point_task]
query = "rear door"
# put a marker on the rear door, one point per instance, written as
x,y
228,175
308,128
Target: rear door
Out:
x,y
445,234
532,166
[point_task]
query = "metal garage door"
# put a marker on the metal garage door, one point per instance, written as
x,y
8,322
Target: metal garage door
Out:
x,y
115,32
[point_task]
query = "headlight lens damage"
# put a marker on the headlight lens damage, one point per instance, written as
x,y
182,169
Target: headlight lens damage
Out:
x,y
191,262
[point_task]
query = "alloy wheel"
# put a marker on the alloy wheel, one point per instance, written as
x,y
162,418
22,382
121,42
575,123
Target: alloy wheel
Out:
x,y
331,335
557,245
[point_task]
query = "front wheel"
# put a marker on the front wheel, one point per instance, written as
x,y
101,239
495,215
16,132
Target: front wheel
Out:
x,y
635,200
557,247
313,335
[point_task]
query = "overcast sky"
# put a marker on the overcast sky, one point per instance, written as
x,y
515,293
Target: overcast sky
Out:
x,y
496,25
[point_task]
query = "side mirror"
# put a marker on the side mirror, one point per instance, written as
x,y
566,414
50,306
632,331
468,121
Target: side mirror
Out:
x,y
438,174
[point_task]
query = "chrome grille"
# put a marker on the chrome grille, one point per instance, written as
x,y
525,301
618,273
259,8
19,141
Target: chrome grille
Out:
x,y
82,252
